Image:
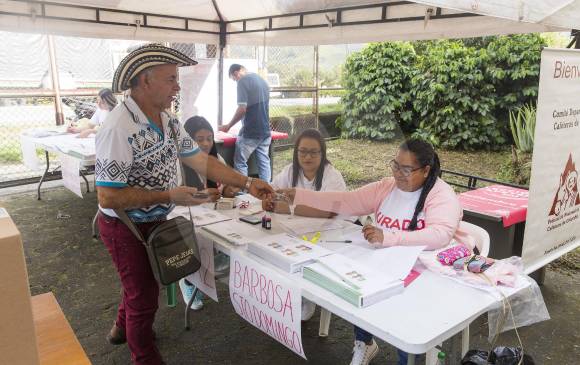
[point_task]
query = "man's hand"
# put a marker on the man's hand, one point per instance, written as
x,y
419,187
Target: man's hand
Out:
x,y
373,234
224,128
231,191
261,189
213,194
184,195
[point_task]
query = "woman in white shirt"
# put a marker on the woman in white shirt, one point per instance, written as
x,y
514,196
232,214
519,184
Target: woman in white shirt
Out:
x,y
106,101
310,169
202,133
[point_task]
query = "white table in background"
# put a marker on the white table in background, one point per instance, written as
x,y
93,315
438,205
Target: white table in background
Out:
x,y
80,148
429,311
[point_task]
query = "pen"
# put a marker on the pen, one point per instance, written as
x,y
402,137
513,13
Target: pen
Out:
x,y
338,241
369,220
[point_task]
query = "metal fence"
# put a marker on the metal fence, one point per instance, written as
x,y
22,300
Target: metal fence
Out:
x,y
305,84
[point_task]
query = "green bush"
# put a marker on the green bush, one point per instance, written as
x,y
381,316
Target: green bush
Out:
x,y
514,70
457,94
454,97
377,101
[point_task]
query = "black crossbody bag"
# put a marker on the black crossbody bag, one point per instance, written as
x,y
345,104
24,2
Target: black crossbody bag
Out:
x,y
171,245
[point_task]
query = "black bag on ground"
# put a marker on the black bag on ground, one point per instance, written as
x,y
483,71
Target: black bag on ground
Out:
x,y
171,247
499,356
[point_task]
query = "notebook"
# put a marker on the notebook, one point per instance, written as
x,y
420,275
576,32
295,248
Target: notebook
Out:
x,y
351,280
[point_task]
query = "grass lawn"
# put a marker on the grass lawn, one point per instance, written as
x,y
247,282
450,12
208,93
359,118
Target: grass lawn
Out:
x,y
362,162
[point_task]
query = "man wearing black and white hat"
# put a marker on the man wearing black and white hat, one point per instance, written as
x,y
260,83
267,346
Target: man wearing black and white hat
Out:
x,y
136,170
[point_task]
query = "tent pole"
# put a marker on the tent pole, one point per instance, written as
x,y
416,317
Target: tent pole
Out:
x,y
222,45
220,84
317,85
55,81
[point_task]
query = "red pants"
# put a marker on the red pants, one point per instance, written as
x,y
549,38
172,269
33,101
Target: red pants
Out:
x,y
140,289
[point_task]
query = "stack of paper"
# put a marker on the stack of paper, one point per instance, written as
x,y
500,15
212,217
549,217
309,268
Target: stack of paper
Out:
x,y
233,232
351,280
287,252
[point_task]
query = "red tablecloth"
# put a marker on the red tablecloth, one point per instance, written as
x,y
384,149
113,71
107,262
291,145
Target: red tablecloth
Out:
x,y
230,139
510,204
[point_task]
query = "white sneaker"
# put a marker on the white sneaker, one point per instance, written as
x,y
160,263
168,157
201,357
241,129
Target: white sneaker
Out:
x,y
362,354
308,309
187,291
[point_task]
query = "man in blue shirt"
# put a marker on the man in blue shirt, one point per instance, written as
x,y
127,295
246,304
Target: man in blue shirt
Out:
x,y
253,110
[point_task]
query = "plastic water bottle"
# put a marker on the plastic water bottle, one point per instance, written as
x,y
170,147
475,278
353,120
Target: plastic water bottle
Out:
x,y
441,358
171,293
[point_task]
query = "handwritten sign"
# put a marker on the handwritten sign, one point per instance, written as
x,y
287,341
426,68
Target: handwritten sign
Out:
x,y
267,300
70,173
204,278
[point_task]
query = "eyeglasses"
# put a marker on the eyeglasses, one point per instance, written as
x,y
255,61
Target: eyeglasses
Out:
x,y
406,171
311,153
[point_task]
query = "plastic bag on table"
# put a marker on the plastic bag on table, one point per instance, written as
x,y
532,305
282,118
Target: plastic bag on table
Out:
x,y
527,307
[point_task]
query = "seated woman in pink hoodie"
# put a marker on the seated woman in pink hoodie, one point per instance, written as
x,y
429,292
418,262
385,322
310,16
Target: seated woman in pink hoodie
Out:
x,y
414,207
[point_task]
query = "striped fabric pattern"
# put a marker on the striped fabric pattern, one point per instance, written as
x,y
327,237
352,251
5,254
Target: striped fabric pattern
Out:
x,y
144,57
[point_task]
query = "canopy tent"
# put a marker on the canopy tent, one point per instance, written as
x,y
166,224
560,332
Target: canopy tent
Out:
x,y
287,22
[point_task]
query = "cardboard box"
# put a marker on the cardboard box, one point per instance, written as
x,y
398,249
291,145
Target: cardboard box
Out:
x,y
18,345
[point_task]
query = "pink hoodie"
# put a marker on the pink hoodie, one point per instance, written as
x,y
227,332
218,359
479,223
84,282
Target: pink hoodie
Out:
x,y
442,209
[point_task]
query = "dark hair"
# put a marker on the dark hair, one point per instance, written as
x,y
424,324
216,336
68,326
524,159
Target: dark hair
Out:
x,y
109,98
314,134
426,156
192,126
234,68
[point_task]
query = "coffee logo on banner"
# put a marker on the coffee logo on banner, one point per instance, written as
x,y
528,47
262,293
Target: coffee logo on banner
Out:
x,y
565,205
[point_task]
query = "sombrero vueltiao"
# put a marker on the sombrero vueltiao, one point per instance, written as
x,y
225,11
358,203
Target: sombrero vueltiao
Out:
x,y
144,57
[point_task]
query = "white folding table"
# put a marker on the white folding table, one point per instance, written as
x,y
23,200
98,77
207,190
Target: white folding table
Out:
x,y
80,148
430,310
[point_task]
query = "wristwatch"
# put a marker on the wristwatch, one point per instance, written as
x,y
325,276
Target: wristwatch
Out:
x,y
248,183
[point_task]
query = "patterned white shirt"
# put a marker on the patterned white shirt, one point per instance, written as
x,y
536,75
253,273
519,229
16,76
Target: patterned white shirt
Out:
x,y
132,151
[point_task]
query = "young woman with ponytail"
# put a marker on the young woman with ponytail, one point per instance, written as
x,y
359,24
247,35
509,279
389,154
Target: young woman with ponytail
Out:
x,y
414,207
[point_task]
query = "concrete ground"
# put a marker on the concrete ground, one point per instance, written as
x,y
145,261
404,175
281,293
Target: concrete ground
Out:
x,y
62,257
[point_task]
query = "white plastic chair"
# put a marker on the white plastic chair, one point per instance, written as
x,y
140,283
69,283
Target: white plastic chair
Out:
x,y
481,242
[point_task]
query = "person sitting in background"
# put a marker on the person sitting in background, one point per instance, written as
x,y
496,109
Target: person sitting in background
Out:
x,y
310,169
414,207
106,101
201,132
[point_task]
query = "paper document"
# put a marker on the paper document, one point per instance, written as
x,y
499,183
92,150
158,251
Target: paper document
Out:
x,y
287,252
300,225
202,216
395,261
233,232
28,148
71,173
